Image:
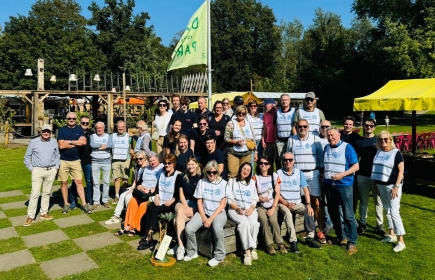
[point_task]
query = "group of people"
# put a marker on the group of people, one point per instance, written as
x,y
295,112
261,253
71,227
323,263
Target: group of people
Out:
x,y
203,170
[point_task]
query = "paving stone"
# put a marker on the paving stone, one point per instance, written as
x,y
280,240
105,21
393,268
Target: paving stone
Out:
x,y
135,243
45,238
16,259
73,221
6,233
111,226
96,241
11,193
54,207
70,265
14,205
2,215
19,220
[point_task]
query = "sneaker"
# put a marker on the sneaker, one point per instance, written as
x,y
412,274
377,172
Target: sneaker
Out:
x,y
271,250
321,237
328,229
304,234
46,216
310,242
380,230
247,260
351,249
254,255
28,222
214,262
389,238
115,201
189,258
106,205
95,206
87,208
343,241
282,249
113,220
399,247
361,229
65,209
294,247
180,253
172,251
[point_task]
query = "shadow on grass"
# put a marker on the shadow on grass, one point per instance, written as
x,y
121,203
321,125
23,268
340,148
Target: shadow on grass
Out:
x,y
422,190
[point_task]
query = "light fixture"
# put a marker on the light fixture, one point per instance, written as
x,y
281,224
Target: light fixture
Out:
x,y
72,78
127,88
28,72
113,89
97,78
53,79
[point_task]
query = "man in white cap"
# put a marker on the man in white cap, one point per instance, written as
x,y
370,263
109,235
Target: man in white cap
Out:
x,y
42,158
313,115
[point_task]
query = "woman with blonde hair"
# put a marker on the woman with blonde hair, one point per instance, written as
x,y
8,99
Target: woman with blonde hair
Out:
x,y
183,152
226,107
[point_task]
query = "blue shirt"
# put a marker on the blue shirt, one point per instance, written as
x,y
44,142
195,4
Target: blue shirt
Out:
x,y
351,159
67,133
42,153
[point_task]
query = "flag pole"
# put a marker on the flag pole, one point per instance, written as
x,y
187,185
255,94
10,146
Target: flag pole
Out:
x,y
209,55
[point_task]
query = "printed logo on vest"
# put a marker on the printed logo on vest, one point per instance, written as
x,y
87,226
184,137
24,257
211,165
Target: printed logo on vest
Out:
x,y
336,155
294,182
122,141
165,184
217,192
289,117
247,193
104,140
386,157
307,146
314,117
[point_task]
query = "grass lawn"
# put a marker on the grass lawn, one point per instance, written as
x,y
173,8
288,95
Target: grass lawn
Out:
x,y
374,260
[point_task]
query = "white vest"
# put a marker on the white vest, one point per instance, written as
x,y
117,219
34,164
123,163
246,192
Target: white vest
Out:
x,y
290,185
265,188
100,154
313,119
335,160
324,142
139,142
257,125
305,152
383,164
212,195
284,122
166,187
238,135
121,145
150,176
242,193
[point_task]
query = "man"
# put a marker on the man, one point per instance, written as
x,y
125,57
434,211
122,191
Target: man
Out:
x,y
366,148
308,154
341,162
122,151
188,119
324,125
85,161
144,141
283,120
214,154
268,139
347,134
313,115
175,103
42,158
101,145
69,138
290,202
202,110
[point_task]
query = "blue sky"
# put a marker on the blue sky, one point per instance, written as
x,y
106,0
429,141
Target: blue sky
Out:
x,y
171,16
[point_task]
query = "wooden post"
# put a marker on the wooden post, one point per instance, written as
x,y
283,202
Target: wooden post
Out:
x,y
110,113
35,114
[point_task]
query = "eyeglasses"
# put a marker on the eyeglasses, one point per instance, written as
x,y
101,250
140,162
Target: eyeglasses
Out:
x,y
325,126
369,125
46,131
225,103
168,163
71,119
211,172
287,160
302,126
383,139
309,99
241,114
202,124
263,163
253,106
218,108
139,158
84,123
162,105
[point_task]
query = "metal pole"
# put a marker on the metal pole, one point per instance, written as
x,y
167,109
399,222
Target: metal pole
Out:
x,y
125,99
209,55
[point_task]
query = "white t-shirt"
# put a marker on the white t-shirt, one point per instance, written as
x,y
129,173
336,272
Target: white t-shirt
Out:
x,y
162,122
211,194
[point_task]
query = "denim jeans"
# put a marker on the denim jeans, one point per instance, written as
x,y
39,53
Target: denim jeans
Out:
x,y
73,196
105,168
342,196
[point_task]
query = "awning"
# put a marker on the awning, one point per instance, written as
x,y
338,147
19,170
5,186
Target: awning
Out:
x,y
130,101
247,96
400,95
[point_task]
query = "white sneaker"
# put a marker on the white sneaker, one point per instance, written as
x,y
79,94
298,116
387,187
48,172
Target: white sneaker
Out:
x,y
172,251
389,238
214,262
180,253
247,260
113,220
187,258
254,255
399,247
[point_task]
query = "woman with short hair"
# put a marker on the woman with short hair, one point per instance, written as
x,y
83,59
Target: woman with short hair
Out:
x,y
226,107
387,171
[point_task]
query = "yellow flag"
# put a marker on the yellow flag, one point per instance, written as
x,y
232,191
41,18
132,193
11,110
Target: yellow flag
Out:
x,y
192,47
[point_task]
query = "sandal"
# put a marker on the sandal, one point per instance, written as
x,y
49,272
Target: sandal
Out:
x,y
131,233
120,232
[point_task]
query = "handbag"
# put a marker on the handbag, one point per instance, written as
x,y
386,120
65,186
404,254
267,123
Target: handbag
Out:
x,y
156,133
250,143
140,196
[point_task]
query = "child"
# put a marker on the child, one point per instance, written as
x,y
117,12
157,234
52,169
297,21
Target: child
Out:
x,y
387,121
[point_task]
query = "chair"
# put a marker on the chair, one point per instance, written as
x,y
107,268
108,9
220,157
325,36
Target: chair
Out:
x,y
407,142
420,141
431,142
399,141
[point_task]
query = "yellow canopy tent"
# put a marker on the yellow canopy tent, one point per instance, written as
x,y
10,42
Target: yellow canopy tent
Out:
x,y
401,95
247,96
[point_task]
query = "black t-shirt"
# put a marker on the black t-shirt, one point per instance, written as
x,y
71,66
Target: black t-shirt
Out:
x,y
181,160
67,133
218,156
195,135
350,138
199,114
219,126
172,146
188,187
366,149
393,176
85,151
187,121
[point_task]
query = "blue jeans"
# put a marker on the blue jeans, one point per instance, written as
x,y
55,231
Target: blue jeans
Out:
x,y
342,196
96,169
73,196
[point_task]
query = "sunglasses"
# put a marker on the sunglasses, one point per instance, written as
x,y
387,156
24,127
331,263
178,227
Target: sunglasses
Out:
x,y
211,172
84,123
325,126
162,105
263,163
225,103
184,104
241,114
202,124
46,131
168,163
253,106
383,139
287,160
139,158
218,108
302,126
369,125
309,99
71,119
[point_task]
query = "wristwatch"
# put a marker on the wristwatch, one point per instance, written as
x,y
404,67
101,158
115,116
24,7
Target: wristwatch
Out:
x,y
70,142
308,203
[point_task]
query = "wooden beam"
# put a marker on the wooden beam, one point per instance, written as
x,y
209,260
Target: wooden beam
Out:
x,y
104,98
45,96
28,99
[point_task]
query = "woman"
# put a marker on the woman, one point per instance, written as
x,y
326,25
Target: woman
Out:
x,y
210,195
170,140
144,187
218,122
256,121
268,189
187,206
183,153
236,132
165,197
387,171
198,137
226,107
161,121
242,201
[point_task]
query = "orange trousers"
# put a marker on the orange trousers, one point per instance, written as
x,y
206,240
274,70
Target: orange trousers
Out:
x,y
135,211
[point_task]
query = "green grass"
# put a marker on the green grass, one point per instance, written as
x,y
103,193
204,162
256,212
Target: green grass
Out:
x,y
55,250
32,271
15,212
84,230
5,223
36,228
12,245
13,199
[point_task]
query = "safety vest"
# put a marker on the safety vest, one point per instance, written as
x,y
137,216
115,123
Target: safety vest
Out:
x,y
242,193
100,154
265,188
290,185
313,119
238,135
335,159
305,152
383,164
211,194
284,122
257,125
167,186
121,145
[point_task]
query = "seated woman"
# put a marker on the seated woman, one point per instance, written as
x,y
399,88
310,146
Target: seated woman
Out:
x,y
170,140
210,193
145,187
165,197
187,206
242,200
183,153
268,186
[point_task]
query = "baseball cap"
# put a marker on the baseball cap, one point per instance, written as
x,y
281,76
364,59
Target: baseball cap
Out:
x,y
268,101
310,95
46,127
